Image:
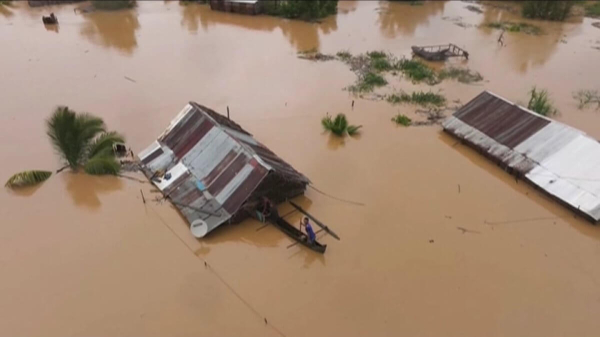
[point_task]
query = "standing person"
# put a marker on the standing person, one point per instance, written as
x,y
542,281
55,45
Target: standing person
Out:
x,y
310,234
501,38
266,210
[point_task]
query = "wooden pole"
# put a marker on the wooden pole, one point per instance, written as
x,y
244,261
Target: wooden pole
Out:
x,y
228,112
142,193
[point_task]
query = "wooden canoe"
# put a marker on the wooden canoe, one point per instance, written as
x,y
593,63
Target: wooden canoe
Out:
x,y
296,234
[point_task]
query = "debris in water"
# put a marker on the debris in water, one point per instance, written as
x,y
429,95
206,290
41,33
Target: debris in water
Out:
x,y
474,9
316,57
130,79
596,24
587,97
440,52
431,241
465,230
50,20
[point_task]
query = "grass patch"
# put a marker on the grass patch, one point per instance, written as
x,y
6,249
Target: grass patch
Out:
x,y
381,64
368,82
592,9
463,75
344,55
339,125
587,97
418,97
401,119
376,54
418,71
515,27
539,102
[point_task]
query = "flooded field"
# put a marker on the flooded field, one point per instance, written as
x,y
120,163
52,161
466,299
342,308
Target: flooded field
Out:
x,y
445,243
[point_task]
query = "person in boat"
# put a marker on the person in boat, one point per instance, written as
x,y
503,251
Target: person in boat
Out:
x,y
310,233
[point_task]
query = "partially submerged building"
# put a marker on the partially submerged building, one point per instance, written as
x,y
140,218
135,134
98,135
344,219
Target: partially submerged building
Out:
x,y
251,7
214,171
556,158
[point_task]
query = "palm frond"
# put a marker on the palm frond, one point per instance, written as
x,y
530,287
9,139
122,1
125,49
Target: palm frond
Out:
x,y
27,178
354,129
70,134
326,122
103,144
102,165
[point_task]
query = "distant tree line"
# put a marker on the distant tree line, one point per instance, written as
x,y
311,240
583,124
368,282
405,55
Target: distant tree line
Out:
x,y
300,9
547,10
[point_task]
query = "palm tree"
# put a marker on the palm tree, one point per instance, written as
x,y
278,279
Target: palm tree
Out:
x,y
81,140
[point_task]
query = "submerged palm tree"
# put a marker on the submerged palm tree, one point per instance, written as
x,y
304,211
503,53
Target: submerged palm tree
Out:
x,y
82,141
339,125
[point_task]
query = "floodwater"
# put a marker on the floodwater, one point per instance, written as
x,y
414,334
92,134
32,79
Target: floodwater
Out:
x,y
446,243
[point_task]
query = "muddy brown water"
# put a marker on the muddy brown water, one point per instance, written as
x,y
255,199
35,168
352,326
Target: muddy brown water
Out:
x,y
83,255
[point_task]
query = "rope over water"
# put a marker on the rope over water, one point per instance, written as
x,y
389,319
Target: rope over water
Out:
x,y
336,198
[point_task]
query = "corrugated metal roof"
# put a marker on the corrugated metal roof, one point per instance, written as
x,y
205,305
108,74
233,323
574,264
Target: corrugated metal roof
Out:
x,y
559,159
213,166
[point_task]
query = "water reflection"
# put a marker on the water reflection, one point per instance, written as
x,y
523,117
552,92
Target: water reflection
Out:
x,y
112,29
301,35
52,28
403,19
348,6
85,189
524,51
5,11
559,212
25,191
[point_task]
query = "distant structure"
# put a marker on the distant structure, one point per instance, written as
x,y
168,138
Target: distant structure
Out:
x,y
39,3
558,159
250,7
214,171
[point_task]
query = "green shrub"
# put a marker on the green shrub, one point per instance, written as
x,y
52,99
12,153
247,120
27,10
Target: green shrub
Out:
x,y
419,98
516,27
377,54
339,125
368,82
299,9
593,9
463,75
401,119
381,64
418,71
344,55
540,103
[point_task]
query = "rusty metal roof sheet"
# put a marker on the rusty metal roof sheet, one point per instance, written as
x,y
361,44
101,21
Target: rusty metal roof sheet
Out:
x,y
561,160
213,166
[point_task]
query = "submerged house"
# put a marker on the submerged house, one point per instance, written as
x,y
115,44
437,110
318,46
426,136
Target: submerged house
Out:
x,y
556,158
214,171
251,7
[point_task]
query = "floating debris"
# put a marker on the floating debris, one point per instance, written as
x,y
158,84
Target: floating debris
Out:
x,y
439,52
474,9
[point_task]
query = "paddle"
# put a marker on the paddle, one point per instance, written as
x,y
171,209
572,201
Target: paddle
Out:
x,y
319,223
